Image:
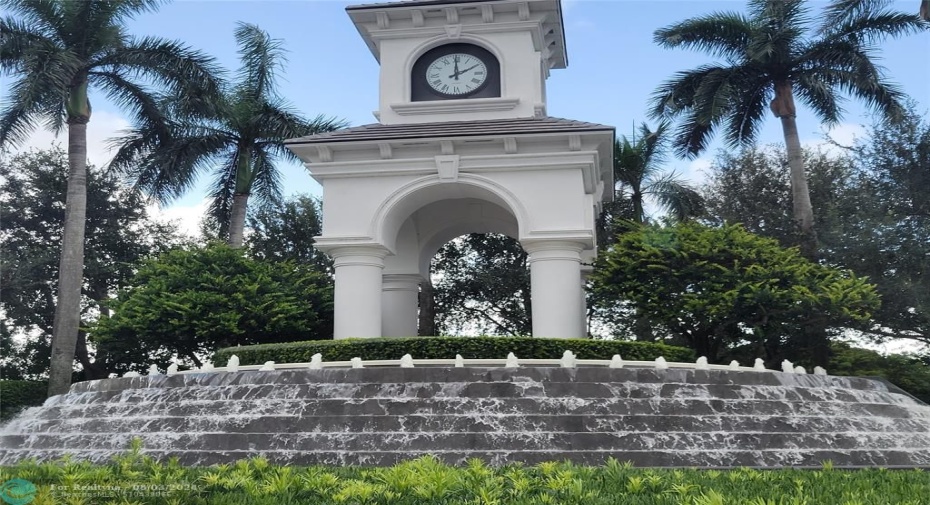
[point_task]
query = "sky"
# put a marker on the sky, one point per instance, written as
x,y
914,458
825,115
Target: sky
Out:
x,y
613,68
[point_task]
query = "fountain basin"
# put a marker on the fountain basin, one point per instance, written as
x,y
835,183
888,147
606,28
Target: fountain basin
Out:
x,y
379,416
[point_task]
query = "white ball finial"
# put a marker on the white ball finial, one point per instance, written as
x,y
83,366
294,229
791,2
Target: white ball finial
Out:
x,y
267,367
787,366
759,364
357,363
131,374
459,361
701,363
153,370
661,364
406,361
616,361
172,369
800,370
316,361
819,371
734,365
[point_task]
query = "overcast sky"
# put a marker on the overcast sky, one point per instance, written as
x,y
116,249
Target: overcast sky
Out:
x,y
613,67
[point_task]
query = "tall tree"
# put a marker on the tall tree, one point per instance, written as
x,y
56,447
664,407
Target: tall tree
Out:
x,y
772,55
119,235
239,140
57,51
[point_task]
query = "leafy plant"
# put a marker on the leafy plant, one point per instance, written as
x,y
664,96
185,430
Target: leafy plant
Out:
x,y
448,347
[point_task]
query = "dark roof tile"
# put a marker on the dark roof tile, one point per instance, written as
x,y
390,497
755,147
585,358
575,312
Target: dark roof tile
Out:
x,y
498,127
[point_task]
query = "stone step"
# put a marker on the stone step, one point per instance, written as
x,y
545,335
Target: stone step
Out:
x,y
471,441
486,406
486,390
854,458
471,423
474,375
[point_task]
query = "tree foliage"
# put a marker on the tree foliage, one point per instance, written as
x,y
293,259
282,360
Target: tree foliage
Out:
x,y
238,139
714,288
119,235
871,211
189,302
776,53
285,232
57,51
483,286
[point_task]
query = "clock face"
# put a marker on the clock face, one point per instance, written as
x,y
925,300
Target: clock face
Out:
x,y
456,74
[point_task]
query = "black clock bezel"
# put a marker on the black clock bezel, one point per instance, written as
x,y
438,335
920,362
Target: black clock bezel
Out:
x,y
420,90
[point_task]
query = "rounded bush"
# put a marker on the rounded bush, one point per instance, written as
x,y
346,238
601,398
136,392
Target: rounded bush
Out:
x,y
17,395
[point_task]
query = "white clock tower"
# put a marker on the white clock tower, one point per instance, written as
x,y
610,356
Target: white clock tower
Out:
x,y
463,145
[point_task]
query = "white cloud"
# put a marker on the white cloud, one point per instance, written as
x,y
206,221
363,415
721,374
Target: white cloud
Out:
x,y
102,127
186,218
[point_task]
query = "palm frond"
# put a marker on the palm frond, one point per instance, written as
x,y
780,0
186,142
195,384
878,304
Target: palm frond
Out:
x,y
840,12
17,40
724,34
223,190
43,16
749,105
676,95
142,104
261,57
266,182
38,94
173,65
676,197
816,90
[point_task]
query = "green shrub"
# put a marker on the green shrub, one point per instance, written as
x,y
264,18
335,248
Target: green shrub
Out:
x,y
17,395
137,479
448,347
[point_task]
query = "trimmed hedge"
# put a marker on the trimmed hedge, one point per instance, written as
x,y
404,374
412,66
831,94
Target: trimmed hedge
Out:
x,y
448,347
17,395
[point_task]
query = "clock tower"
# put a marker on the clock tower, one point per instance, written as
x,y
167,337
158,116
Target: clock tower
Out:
x,y
463,144
513,43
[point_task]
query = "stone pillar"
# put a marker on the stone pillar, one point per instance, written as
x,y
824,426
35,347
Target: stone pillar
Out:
x,y
555,270
357,298
399,294
586,271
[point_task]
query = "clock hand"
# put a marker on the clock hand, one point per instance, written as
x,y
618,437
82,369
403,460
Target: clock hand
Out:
x,y
458,73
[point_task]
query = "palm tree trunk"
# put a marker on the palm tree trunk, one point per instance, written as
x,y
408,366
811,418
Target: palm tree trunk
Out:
x,y
71,268
237,219
803,211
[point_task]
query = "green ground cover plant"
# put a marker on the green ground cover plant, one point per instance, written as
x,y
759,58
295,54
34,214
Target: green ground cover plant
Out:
x,y
136,479
448,347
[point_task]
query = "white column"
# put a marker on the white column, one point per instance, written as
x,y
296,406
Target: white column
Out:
x,y
586,271
555,270
357,297
399,305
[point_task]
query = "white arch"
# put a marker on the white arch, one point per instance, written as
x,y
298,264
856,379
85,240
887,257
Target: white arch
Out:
x,y
419,193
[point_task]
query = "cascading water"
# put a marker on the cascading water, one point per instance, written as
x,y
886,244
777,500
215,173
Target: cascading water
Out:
x,y
378,416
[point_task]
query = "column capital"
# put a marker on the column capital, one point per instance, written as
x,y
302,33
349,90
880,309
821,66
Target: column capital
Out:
x,y
401,282
544,250
368,255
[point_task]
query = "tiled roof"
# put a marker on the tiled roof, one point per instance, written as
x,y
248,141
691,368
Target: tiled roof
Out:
x,y
412,3
498,127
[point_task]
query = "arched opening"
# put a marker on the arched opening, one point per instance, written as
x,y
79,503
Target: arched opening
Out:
x,y
480,286
424,232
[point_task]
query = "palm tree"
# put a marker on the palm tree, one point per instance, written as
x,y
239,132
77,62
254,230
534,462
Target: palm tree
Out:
x,y
239,140
770,56
57,51
639,176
